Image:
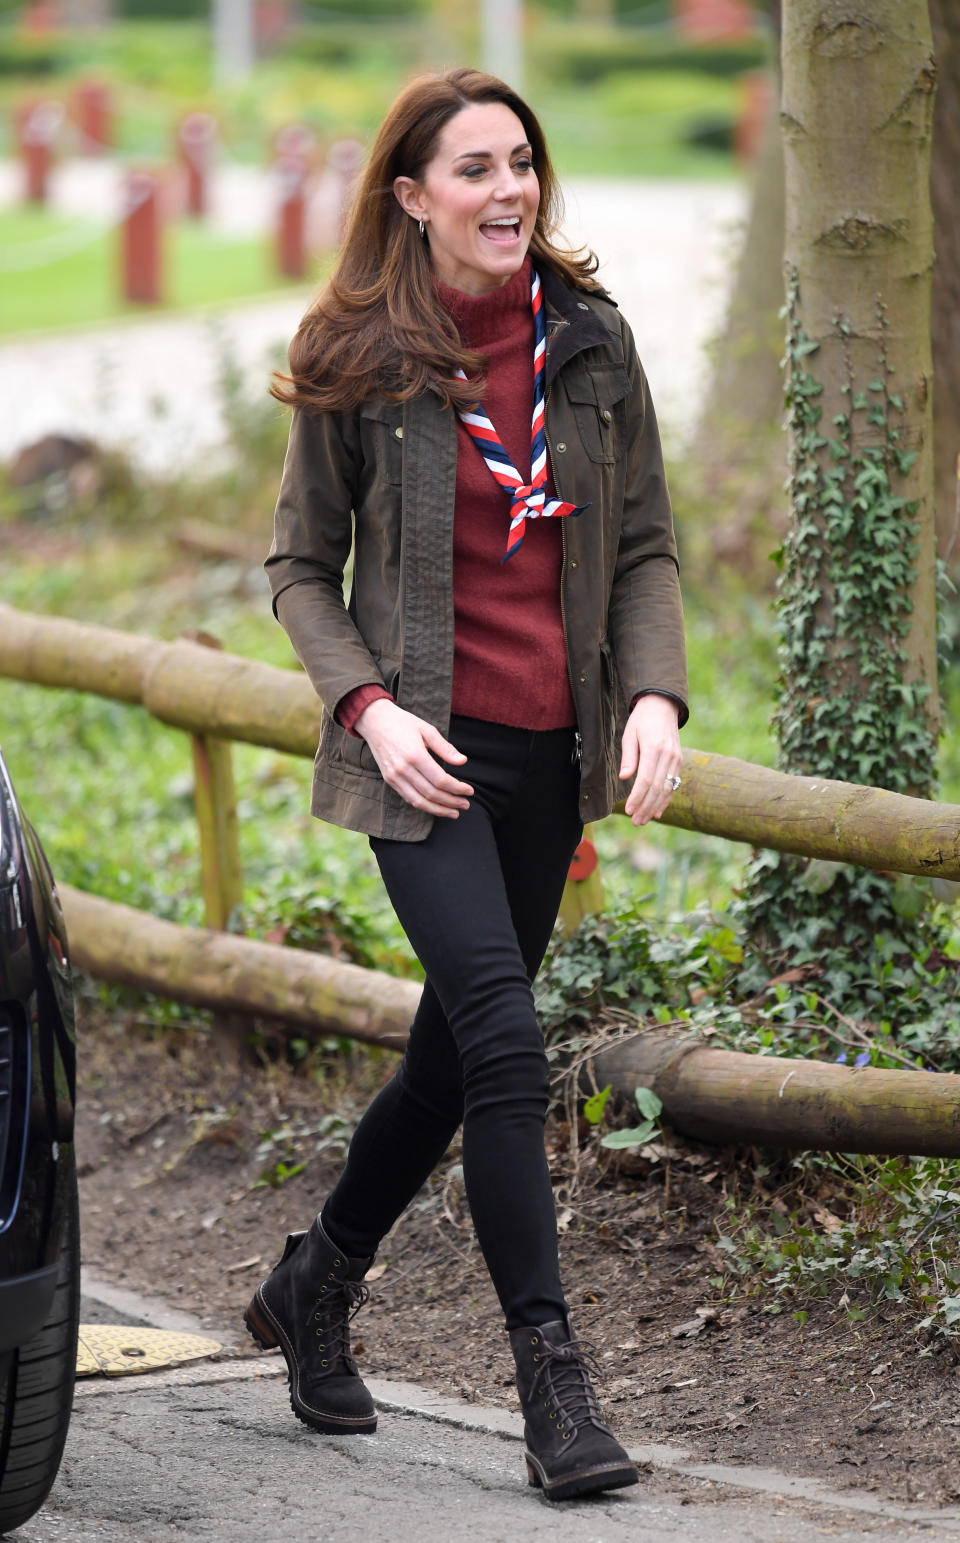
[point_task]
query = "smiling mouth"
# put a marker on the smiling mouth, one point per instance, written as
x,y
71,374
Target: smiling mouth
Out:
x,y
503,232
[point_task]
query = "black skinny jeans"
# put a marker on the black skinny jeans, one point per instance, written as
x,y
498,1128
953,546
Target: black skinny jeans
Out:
x,y
478,900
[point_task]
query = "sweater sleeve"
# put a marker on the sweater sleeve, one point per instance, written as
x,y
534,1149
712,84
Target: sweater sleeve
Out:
x,y
350,707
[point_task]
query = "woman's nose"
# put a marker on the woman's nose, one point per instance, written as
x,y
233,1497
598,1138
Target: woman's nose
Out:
x,y
508,184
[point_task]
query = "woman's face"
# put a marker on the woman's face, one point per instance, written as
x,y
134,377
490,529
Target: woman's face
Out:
x,y
478,198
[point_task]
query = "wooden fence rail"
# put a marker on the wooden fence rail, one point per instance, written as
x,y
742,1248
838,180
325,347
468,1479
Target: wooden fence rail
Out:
x,y
207,692
710,1094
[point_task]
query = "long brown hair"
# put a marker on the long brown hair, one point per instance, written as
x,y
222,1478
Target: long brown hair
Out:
x,y
378,327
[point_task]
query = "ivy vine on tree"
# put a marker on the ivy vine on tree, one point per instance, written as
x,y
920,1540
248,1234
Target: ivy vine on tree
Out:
x,y
847,706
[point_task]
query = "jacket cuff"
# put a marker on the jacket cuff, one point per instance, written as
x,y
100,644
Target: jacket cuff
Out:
x,y
658,691
350,707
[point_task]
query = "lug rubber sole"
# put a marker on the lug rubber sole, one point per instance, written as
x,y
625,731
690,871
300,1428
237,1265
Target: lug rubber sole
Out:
x,y
269,1336
587,1482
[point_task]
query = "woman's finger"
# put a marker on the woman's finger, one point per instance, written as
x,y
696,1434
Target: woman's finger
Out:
x,y
435,741
653,788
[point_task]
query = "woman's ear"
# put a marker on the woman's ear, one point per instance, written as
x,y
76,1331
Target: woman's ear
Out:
x,y
409,196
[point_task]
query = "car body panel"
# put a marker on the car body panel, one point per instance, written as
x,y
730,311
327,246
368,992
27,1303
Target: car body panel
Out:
x,y
37,1075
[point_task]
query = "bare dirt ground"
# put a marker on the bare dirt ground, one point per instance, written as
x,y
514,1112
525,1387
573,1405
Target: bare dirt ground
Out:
x,y
172,1157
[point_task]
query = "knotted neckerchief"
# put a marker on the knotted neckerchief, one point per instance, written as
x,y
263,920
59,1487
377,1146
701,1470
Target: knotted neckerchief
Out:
x,y
528,500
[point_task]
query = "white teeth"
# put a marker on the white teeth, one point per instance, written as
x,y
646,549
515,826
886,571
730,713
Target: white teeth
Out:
x,y
513,219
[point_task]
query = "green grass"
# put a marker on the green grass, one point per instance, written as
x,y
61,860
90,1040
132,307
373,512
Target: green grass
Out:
x,y
82,286
340,80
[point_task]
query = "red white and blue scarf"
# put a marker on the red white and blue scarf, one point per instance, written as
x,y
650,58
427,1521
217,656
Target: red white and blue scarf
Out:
x,y
528,500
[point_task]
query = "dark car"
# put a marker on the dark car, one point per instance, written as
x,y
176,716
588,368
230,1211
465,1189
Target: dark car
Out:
x,y
39,1229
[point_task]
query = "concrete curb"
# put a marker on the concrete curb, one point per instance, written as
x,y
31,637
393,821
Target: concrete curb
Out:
x,y
411,1399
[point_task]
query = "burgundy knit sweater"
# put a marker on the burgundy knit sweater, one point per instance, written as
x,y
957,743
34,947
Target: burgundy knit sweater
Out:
x,y
510,661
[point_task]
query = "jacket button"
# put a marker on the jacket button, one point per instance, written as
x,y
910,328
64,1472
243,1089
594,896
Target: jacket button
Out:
x,y
561,445
583,680
606,415
582,305
399,433
574,564
585,799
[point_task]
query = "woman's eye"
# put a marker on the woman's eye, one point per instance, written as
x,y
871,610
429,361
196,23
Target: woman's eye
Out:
x,y
524,164
474,171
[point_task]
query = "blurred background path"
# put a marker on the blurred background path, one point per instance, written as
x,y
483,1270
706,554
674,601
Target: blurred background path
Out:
x,y
149,386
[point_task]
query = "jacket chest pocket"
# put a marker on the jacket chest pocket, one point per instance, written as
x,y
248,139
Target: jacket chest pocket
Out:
x,y
383,435
593,396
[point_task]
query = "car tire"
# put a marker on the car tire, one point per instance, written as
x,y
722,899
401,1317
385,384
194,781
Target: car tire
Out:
x,y
36,1390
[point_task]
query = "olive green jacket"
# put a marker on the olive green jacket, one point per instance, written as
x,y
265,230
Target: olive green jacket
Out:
x,y
382,478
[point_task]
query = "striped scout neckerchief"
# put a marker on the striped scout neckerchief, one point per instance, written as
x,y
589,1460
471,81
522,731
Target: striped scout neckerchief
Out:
x,y
528,500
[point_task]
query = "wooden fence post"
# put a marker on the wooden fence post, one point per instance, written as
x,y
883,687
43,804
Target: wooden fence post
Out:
x,y
215,800
221,872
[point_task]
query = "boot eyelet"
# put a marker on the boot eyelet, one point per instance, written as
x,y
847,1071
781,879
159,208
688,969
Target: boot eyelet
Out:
x,y
536,1357
327,1363
566,1435
534,1340
330,1276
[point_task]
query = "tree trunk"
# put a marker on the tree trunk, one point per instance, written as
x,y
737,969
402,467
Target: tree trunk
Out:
x,y
858,696
945,20
858,90
745,370
740,448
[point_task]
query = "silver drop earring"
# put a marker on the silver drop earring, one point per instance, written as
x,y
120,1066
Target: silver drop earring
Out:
x,y
422,228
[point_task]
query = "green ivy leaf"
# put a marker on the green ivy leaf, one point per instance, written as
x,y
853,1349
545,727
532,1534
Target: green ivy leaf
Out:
x,y
634,1137
595,1105
650,1106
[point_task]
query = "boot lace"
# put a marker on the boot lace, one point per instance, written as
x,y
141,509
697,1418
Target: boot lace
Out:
x,y
330,1317
563,1380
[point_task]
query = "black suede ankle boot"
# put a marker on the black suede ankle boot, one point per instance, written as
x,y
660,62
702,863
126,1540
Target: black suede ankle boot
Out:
x,y
570,1447
305,1307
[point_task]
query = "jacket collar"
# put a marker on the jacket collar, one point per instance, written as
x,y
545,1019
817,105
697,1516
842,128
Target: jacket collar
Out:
x,y
572,323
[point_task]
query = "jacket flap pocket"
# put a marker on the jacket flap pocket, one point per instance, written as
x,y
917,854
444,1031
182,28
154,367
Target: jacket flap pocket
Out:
x,y
601,387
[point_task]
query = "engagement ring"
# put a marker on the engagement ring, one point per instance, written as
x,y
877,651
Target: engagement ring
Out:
x,y
673,783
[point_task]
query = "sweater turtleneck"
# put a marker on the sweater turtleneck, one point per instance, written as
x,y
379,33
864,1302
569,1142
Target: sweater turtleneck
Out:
x,y
510,658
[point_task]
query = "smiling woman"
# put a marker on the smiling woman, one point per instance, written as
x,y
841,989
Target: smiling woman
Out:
x,y
471,417
478,205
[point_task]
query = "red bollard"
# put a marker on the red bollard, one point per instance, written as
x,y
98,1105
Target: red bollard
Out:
x,y
345,157
40,19
755,103
196,140
142,238
293,152
37,124
92,112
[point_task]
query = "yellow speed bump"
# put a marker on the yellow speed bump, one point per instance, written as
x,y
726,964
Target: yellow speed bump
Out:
x,y
113,1350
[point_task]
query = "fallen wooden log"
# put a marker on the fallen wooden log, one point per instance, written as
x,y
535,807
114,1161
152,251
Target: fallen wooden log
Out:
x,y
228,973
205,691
719,1096
726,1096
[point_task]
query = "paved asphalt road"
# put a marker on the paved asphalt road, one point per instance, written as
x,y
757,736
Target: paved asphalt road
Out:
x,y
211,1451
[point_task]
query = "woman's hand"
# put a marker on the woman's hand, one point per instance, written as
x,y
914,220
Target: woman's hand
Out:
x,y
402,744
651,749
